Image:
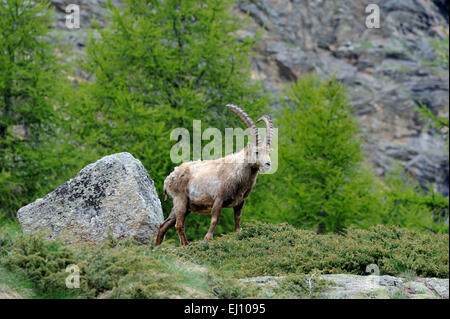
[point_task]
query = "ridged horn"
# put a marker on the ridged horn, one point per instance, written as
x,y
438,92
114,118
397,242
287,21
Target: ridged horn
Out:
x,y
269,128
247,121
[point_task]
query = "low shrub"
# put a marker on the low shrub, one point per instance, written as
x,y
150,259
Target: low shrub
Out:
x,y
301,286
111,269
211,269
264,249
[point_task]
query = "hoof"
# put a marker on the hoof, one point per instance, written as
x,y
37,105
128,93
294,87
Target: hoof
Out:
x,y
208,237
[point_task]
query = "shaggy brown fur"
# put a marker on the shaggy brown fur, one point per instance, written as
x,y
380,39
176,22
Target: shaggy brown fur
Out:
x,y
208,186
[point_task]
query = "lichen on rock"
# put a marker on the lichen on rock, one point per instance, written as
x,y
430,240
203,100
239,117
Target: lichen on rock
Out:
x,y
113,197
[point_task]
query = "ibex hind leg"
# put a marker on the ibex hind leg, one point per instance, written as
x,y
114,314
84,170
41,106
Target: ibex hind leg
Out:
x,y
165,226
181,211
237,217
215,214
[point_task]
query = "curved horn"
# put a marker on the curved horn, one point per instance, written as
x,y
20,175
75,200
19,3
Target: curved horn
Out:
x,y
247,121
269,128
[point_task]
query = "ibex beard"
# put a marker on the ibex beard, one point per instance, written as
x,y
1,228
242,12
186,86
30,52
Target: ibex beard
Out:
x,y
206,187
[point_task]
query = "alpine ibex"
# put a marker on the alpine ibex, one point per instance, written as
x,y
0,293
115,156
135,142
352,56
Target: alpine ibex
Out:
x,y
208,186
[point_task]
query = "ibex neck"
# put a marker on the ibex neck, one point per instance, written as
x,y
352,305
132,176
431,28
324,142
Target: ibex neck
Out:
x,y
240,159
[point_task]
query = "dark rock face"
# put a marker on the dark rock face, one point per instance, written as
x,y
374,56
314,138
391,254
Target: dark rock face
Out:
x,y
113,197
387,71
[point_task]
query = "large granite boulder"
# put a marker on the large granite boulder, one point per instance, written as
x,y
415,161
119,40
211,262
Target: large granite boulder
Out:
x,y
113,197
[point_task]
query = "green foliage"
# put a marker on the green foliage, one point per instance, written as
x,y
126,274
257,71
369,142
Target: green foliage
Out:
x,y
407,205
130,271
43,262
34,155
264,249
441,47
16,283
301,286
438,123
158,66
321,182
27,69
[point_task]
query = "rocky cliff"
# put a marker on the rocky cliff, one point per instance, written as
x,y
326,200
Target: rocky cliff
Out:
x,y
387,71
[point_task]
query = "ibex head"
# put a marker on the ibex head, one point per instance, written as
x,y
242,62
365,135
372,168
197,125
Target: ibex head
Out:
x,y
258,153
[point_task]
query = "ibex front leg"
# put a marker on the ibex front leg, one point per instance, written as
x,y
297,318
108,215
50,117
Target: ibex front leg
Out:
x,y
169,222
237,216
215,214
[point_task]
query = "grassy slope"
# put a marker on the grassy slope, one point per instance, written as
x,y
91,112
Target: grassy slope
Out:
x,y
36,268
265,249
14,285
